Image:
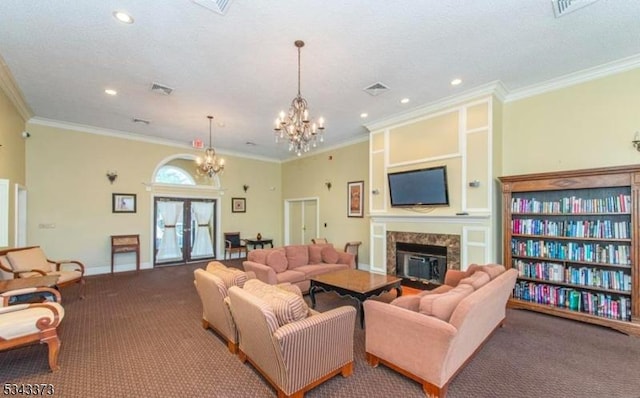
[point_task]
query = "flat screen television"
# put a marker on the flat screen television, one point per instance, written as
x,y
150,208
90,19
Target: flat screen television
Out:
x,y
423,187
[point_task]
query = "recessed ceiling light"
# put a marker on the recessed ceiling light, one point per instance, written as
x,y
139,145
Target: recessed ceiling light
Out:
x,y
455,82
123,17
110,91
405,101
364,115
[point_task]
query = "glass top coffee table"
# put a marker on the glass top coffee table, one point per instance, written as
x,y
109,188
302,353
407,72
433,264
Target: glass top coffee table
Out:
x,y
358,284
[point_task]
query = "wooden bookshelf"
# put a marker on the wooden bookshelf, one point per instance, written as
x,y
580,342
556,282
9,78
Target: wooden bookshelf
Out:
x,y
574,238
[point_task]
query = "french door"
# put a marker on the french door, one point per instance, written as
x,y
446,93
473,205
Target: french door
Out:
x,y
301,221
184,230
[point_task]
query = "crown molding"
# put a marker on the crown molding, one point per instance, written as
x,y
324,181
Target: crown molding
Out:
x,y
571,79
495,88
13,92
83,128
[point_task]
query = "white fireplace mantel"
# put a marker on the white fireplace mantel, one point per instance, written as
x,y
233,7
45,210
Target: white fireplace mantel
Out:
x,y
455,219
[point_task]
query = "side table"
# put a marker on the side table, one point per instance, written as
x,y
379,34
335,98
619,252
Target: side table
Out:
x,y
125,244
258,242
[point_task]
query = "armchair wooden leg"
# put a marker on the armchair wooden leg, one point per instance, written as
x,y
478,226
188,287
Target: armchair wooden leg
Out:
x,y
53,343
373,360
81,290
205,324
432,391
347,370
242,356
233,347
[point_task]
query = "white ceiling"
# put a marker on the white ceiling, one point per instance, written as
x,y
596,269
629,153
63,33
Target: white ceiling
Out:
x,y
241,67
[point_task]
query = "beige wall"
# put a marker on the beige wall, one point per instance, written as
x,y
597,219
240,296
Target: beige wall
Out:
x,y
68,189
583,126
306,177
12,154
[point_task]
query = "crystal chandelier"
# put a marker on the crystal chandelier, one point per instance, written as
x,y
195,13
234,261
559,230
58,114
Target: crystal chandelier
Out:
x,y
211,164
296,126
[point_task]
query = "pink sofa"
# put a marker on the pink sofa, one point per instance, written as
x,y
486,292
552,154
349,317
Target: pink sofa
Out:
x,y
430,337
296,263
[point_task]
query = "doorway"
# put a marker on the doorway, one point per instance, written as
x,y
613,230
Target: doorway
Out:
x,y
301,220
184,230
21,216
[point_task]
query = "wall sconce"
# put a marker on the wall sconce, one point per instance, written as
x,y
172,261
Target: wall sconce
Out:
x,y
112,175
328,185
245,187
636,141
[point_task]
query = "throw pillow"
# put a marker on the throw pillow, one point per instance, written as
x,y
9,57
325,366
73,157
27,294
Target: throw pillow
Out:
x,y
286,305
26,260
442,305
330,255
297,255
411,302
277,260
315,253
477,280
258,256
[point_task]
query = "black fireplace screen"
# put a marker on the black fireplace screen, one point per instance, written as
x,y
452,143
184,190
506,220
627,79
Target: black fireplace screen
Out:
x,y
421,263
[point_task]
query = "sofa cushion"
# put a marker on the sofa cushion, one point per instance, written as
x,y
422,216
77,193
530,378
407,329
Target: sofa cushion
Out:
x,y
315,253
291,276
287,306
258,256
229,276
477,280
438,290
297,255
277,260
493,270
330,255
411,302
26,260
442,305
317,269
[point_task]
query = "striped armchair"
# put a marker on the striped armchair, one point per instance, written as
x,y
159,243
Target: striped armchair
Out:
x,y
212,286
298,356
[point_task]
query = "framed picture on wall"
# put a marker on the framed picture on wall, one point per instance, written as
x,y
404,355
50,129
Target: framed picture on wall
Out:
x,y
123,203
238,205
355,199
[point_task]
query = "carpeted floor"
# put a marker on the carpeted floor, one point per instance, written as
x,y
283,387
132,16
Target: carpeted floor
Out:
x,y
141,335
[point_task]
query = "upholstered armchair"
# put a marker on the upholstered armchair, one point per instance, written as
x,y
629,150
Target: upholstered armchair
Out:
x,y
299,355
234,244
212,286
23,324
31,261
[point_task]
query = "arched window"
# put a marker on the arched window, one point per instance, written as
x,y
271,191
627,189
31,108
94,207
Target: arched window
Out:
x,y
174,175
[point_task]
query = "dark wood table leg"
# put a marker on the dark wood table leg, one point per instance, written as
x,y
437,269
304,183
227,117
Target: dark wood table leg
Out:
x,y
361,309
312,294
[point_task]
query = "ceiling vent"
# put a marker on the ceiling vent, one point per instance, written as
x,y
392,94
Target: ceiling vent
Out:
x,y
161,89
376,89
218,6
563,7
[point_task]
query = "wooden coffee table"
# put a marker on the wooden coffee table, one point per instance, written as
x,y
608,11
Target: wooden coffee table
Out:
x,y
360,285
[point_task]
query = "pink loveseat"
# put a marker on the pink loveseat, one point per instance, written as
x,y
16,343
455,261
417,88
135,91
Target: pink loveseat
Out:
x,y
296,263
429,337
